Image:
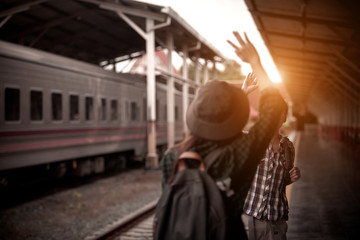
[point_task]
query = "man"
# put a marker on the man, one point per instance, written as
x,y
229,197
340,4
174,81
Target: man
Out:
x,y
266,203
216,118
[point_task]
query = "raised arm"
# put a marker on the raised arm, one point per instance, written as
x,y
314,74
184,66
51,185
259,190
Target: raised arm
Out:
x,y
247,53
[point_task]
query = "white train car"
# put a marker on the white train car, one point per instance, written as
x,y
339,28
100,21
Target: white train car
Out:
x,y
56,111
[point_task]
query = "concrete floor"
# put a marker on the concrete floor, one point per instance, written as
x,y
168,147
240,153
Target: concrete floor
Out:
x,y
325,202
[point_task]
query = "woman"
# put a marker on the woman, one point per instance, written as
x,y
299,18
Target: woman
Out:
x,y
215,118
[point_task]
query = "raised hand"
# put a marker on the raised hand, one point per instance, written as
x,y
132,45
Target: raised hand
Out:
x,y
250,83
246,51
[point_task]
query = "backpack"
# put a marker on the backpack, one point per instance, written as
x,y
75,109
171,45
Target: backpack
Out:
x,y
191,206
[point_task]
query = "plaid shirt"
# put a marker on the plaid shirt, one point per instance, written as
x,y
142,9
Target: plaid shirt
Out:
x,y
241,155
266,199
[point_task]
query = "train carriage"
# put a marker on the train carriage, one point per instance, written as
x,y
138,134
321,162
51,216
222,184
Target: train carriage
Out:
x,y
57,110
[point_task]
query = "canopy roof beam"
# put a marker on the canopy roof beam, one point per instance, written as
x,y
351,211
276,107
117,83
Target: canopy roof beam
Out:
x,y
20,8
304,38
345,74
344,85
335,83
128,10
327,22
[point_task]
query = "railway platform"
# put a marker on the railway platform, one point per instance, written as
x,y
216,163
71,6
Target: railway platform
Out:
x,y
325,202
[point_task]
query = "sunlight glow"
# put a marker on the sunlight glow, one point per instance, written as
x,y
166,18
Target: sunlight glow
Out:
x,y
271,70
217,22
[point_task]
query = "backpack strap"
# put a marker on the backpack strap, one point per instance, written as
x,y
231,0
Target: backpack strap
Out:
x,y
289,158
225,184
212,157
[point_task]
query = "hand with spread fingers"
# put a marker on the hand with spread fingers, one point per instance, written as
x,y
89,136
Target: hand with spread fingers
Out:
x,y
294,174
246,51
250,83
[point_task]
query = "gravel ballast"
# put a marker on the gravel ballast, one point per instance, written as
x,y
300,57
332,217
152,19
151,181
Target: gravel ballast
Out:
x,y
78,212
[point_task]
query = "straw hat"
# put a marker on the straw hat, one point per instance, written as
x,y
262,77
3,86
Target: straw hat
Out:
x,y
218,112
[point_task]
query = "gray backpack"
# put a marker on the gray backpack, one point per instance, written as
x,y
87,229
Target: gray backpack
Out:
x,y
191,206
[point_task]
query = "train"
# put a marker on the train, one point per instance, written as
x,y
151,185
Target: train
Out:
x,y
70,116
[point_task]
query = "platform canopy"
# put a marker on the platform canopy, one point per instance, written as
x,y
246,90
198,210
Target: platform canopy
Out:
x,y
315,45
94,31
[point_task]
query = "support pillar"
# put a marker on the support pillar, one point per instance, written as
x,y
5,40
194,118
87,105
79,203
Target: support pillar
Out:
x,y
197,72
197,69
151,158
185,89
149,37
206,72
214,73
170,93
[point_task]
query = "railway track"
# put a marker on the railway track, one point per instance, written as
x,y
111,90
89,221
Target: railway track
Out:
x,y
137,225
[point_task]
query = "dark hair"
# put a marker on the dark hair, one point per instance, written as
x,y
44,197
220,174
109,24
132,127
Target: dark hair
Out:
x,y
190,141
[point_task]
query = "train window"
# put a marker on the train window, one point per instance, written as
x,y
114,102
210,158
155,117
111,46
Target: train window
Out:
x,y
127,111
133,111
74,107
12,104
103,109
176,113
144,109
89,108
56,106
36,105
114,109
157,109
165,111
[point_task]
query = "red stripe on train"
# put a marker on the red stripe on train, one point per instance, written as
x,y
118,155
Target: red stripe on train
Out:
x,y
83,130
79,141
62,131
68,142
